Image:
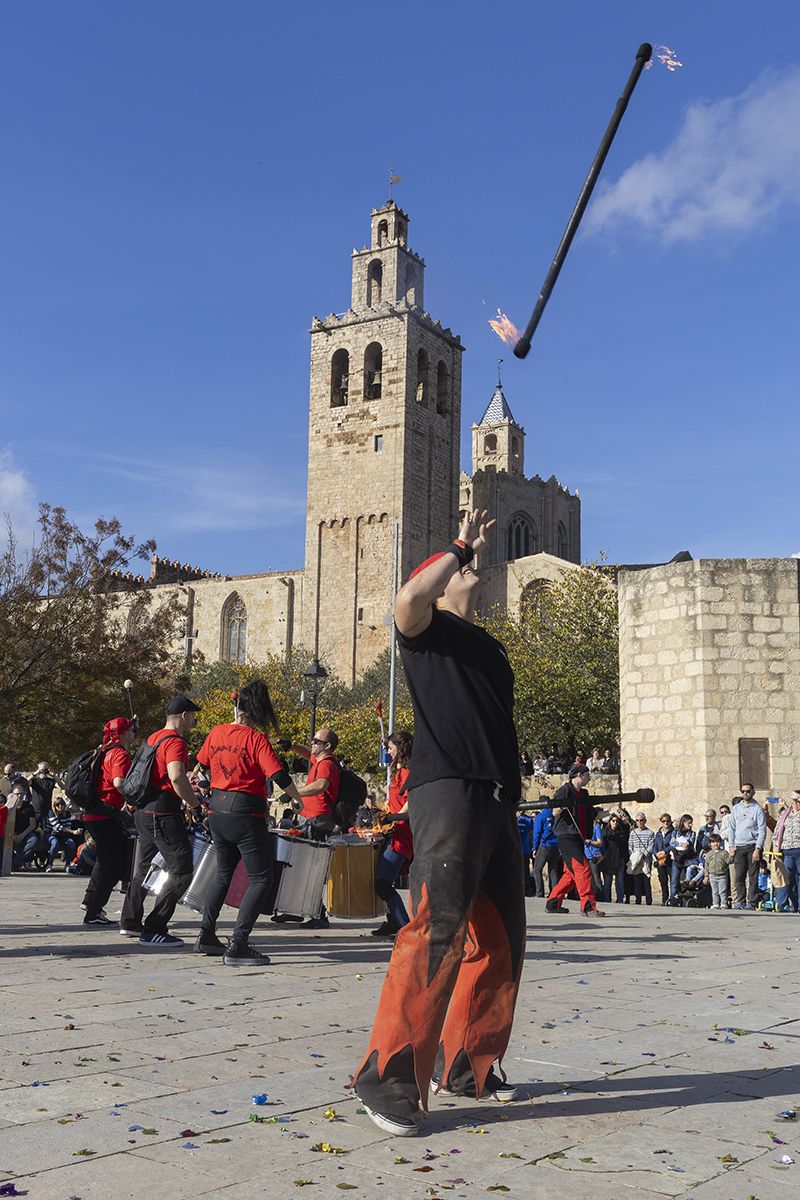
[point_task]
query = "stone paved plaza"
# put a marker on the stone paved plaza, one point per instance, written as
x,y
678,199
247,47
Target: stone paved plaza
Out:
x,y
656,1049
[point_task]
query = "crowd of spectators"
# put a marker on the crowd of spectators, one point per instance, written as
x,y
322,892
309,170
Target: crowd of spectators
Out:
x,y
560,758
725,863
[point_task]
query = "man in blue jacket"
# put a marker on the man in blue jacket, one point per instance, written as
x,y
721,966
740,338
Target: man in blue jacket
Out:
x,y
747,830
545,851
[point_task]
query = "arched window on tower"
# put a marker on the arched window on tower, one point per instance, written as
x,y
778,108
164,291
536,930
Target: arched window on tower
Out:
x,y
374,283
490,443
563,541
534,598
411,285
401,232
514,453
234,630
442,388
423,366
383,233
521,538
340,378
373,362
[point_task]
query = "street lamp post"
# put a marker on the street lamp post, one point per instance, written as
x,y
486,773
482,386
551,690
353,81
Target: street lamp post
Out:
x,y
316,674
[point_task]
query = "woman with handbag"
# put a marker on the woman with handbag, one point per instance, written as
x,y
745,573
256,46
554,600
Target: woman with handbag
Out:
x,y
662,854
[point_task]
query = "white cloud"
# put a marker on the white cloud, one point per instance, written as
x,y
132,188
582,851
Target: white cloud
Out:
x,y
733,165
17,502
191,499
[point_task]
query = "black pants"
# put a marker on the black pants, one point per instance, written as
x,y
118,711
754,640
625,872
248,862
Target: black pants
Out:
x,y
165,835
447,1003
663,872
745,868
109,838
546,856
238,834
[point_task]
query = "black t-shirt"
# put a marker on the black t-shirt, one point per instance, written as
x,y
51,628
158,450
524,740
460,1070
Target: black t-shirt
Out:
x,y
42,793
462,689
22,816
576,806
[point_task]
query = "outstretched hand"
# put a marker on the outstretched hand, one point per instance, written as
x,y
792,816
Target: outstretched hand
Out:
x,y
473,528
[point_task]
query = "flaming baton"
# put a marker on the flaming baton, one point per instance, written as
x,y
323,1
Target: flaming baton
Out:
x,y
643,55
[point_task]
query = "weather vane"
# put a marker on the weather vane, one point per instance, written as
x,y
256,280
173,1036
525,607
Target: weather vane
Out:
x,y
393,179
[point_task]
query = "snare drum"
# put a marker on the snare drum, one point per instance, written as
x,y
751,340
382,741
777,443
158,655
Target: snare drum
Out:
x,y
351,884
300,871
157,876
205,872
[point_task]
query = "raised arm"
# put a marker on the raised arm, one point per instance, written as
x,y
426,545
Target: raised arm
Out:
x,y
414,603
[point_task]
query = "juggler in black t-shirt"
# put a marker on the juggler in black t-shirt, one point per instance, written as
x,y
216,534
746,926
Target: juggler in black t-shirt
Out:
x,y
462,689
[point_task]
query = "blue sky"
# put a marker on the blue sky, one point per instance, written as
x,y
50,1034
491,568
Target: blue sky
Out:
x,y
183,184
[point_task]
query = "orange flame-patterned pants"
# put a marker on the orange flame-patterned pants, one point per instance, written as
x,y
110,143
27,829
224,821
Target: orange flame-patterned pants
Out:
x,y
447,1003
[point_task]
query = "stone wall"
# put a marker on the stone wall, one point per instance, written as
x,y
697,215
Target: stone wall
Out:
x,y
709,654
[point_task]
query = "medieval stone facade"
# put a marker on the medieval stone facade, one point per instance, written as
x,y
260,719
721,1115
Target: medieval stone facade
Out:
x,y
710,679
384,433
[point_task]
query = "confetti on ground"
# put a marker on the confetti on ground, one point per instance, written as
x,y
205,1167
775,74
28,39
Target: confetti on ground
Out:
x,y
189,1146
327,1148
188,1133
260,1098
218,1112
302,1182
8,1189
84,1153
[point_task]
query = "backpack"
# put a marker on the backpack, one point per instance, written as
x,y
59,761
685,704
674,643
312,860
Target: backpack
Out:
x,y
82,779
352,795
137,787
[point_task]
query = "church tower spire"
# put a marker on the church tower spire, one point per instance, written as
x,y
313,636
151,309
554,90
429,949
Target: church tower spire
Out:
x,y
498,442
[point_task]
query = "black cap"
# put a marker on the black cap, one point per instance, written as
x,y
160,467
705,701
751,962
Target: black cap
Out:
x,y
181,704
578,769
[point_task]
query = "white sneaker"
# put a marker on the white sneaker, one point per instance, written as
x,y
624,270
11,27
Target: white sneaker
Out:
x,y
396,1126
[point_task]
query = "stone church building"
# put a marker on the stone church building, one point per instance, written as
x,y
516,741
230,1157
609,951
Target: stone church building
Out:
x,y
385,427
709,650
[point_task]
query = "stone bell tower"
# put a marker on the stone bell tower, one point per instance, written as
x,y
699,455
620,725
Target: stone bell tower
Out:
x,y
384,422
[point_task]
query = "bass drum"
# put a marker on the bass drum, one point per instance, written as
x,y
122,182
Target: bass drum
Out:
x,y
351,883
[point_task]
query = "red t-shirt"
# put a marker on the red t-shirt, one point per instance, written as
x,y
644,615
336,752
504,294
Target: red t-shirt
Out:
x,y
116,764
401,840
323,804
174,749
240,759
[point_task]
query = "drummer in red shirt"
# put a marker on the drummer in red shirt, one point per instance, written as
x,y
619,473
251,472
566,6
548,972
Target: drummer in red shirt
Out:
x,y
319,794
104,822
241,760
398,851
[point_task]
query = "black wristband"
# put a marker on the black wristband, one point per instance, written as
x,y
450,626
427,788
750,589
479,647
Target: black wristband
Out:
x,y
464,554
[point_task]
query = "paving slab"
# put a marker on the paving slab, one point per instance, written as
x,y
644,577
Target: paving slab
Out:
x,y
624,1075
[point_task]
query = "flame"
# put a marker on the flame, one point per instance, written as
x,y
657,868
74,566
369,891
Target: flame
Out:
x,y
667,58
505,328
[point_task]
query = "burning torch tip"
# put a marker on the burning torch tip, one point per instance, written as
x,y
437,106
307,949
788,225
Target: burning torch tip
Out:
x,y
645,51
522,347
